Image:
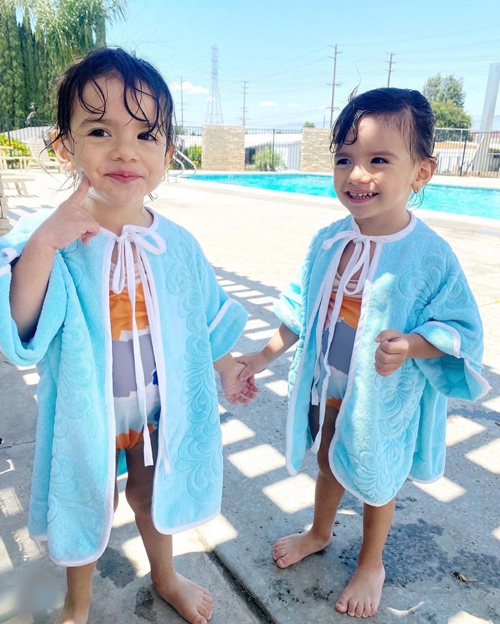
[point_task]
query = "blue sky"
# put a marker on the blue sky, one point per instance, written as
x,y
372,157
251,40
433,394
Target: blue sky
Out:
x,y
282,48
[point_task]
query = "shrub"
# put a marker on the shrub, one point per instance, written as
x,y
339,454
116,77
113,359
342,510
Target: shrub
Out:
x,y
17,148
267,159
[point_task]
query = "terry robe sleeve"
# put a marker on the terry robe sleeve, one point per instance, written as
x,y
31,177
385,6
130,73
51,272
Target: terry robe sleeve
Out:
x,y
54,305
451,322
35,351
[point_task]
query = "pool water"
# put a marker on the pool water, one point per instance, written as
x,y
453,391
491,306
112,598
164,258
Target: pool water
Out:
x,y
464,200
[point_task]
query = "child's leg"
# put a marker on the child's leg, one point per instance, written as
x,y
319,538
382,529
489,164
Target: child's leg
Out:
x,y
329,492
79,595
361,597
192,602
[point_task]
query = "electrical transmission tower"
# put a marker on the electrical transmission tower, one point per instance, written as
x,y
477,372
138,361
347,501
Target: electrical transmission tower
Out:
x,y
214,109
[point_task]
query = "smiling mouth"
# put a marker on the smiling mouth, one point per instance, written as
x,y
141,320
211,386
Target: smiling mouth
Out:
x,y
361,195
123,177
360,198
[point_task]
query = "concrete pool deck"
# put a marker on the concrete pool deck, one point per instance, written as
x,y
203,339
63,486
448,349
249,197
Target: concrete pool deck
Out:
x,y
443,553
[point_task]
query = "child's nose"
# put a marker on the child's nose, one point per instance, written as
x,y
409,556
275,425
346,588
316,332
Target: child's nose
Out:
x,y
124,149
358,174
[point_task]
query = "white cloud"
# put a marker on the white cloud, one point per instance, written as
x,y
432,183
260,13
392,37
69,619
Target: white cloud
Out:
x,y
188,87
293,105
268,103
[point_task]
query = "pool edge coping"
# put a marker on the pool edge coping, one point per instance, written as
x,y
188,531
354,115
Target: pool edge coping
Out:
x,y
330,202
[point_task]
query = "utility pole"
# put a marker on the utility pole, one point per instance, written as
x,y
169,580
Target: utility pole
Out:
x,y
244,109
182,107
390,70
334,57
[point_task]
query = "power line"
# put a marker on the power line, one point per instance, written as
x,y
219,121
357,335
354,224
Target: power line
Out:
x,y
390,70
214,108
438,36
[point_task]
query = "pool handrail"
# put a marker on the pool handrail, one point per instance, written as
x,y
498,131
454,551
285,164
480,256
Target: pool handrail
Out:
x,y
183,173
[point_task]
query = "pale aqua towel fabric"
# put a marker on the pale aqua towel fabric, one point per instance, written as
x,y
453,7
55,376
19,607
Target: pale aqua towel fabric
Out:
x,y
392,427
73,478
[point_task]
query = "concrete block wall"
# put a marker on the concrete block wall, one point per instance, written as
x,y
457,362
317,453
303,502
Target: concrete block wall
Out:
x,y
315,151
223,148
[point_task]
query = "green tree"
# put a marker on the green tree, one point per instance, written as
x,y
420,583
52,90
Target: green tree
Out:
x,y
28,46
450,116
445,89
12,92
308,124
447,97
50,35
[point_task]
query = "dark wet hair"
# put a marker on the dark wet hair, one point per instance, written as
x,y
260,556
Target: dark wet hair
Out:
x,y
406,108
139,77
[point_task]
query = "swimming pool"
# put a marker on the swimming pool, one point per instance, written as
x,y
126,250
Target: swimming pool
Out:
x,y
464,200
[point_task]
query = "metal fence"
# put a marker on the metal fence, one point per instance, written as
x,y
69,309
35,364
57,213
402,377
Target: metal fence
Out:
x,y
272,150
466,153
23,130
188,141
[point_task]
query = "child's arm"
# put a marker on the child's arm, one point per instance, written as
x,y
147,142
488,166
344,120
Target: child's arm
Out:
x,y
394,348
255,363
31,272
235,390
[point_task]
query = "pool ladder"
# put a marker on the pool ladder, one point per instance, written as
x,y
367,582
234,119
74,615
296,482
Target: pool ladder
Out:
x,y
179,157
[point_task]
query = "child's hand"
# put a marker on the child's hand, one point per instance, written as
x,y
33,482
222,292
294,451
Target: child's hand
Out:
x,y
391,352
253,363
237,391
70,221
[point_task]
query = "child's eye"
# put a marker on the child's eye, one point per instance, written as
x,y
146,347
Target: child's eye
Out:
x,y
98,132
378,160
343,161
147,136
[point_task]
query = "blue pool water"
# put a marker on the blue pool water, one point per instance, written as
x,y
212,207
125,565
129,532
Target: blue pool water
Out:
x,y
476,202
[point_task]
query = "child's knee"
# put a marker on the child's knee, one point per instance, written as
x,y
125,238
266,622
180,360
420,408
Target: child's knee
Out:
x,y
324,463
139,500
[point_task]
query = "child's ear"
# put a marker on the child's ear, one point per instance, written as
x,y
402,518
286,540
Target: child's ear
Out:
x,y
168,155
62,153
425,173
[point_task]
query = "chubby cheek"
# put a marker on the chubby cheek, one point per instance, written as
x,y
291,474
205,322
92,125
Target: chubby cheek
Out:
x,y
338,181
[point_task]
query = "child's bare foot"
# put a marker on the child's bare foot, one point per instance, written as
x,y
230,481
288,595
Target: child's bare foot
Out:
x,y
294,548
361,597
67,615
192,602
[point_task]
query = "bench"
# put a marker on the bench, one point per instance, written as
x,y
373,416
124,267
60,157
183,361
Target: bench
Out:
x,y
16,182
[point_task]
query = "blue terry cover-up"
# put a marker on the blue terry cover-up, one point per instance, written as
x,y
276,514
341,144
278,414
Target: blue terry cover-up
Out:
x,y
193,322
388,428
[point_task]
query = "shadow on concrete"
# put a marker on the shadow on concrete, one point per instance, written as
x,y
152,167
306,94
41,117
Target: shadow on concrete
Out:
x,y
443,552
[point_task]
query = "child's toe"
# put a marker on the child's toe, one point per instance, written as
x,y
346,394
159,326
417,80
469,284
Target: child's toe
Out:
x,y
283,562
341,605
359,609
367,611
200,620
351,609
